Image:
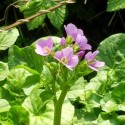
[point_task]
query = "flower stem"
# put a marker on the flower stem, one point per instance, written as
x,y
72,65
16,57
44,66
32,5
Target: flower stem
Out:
x,y
58,106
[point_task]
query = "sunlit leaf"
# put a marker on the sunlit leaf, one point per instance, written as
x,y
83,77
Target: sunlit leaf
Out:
x,y
39,105
4,105
3,70
77,89
114,5
21,77
108,104
8,38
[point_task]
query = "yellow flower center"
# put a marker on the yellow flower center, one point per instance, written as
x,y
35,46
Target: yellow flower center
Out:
x,y
47,50
64,60
90,62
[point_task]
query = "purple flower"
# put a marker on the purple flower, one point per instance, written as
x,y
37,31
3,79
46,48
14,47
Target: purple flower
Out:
x,y
44,47
66,57
72,31
92,62
63,41
80,54
81,41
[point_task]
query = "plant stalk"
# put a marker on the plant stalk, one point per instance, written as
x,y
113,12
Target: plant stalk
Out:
x,y
58,106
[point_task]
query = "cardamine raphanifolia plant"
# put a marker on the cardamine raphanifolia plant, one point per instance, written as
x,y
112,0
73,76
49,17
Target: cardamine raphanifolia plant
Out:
x,y
67,63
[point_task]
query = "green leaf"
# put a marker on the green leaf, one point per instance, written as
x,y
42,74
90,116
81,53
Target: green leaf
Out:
x,y
3,70
108,104
67,112
4,120
112,50
20,78
98,83
107,119
19,115
94,90
31,8
118,93
57,16
25,56
8,38
77,89
4,105
114,5
83,117
41,109
39,113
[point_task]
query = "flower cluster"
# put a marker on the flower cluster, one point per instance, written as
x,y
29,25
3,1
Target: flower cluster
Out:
x,y
74,47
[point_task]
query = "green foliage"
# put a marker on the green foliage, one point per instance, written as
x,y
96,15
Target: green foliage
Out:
x,y
57,17
114,5
8,38
4,105
3,70
103,96
32,7
19,115
31,86
25,56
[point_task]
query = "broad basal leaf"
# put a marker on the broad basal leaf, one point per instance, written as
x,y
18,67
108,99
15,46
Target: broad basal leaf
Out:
x,y
38,113
20,77
41,108
114,5
112,50
8,38
25,56
77,89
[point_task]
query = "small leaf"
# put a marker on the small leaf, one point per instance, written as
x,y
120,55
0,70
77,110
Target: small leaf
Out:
x,y
57,16
4,105
114,5
8,38
31,8
3,70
